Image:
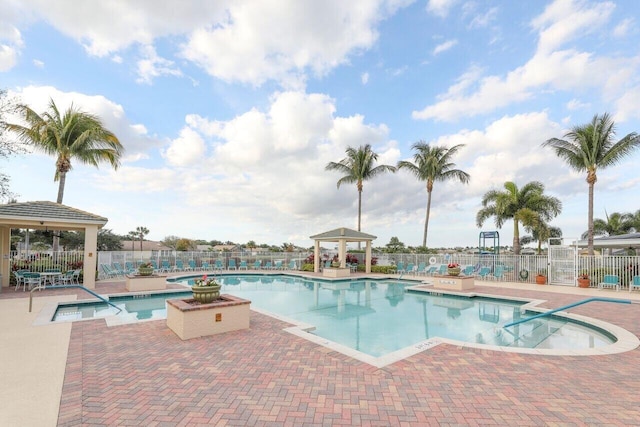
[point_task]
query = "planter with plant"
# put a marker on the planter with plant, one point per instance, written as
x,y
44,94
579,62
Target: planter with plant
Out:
x,y
453,269
205,290
541,277
145,269
583,280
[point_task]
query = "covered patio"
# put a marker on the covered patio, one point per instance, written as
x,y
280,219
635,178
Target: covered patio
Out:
x,y
342,236
49,216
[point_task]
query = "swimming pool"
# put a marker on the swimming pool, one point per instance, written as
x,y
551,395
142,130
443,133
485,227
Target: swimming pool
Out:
x,y
374,317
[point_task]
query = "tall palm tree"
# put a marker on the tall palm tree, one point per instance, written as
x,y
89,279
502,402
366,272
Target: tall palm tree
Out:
x,y
528,205
634,220
141,232
433,164
72,135
358,167
590,147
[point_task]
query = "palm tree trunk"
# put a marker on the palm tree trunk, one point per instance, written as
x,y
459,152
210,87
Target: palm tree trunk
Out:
x,y
56,237
590,221
359,210
516,237
426,219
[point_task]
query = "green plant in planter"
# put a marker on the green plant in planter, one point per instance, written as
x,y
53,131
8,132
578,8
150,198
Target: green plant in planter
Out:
x,y
145,269
205,289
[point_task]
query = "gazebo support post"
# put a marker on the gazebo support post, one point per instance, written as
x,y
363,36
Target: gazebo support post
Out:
x,y
342,252
90,256
368,257
316,257
5,251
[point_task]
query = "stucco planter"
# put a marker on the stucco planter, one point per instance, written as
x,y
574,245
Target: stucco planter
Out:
x,y
146,283
456,283
336,272
190,319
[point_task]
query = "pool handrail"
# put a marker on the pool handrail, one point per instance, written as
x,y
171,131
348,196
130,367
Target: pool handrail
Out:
x,y
564,307
100,297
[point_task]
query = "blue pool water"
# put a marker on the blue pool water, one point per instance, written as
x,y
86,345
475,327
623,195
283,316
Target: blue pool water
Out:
x,y
379,317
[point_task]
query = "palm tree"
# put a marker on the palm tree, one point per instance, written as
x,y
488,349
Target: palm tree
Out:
x,y
634,220
540,232
614,224
133,235
528,205
589,147
433,164
141,232
358,167
74,135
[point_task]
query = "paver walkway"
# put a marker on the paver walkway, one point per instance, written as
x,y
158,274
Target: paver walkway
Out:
x,y
143,374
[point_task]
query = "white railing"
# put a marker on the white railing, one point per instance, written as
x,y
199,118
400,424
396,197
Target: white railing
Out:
x,y
46,260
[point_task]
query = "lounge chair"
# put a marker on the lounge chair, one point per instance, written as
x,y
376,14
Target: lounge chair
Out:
x,y
192,265
400,268
129,268
204,266
218,265
411,268
421,268
278,265
154,265
243,265
484,271
610,281
468,270
118,269
634,283
431,270
257,265
268,266
232,265
498,273
165,267
292,265
179,265
442,270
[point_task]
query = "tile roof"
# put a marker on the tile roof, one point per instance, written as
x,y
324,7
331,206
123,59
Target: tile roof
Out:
x,y
48,210
342,233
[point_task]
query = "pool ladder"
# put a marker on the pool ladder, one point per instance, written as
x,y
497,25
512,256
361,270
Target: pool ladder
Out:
x,y
564,307
100,297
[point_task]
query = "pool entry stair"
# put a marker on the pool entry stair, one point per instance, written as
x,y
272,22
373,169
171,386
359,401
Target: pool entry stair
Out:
x,y
564,307
100,297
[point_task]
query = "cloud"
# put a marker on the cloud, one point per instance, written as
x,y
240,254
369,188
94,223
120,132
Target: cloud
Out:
x,y
547,69
8,57
440,8
37,63
624,28
443,47
186,149
153,66
482,20
576,104
364,78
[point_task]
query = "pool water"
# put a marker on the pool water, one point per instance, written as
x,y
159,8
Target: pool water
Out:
x,y
374,317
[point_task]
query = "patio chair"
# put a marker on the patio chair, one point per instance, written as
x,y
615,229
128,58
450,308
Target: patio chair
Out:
x,y
19,275
400,268
411,268
468,270
154,265
107,271
442,270
498,273
33,281
117,268
67,278
292,265
268,265
634,283
278,265
179,265
327,264
484,271
129,267
431,270
610,281
257,265
421,268
192,265
218,265
204,265
243,265
232,265
165,266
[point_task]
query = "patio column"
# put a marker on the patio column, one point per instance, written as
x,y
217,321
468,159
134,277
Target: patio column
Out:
x,y
368,257
5,254
342,251
90,256
316,257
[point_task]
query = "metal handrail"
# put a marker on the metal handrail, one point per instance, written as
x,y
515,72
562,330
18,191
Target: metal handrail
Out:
x,y
564,307
100,297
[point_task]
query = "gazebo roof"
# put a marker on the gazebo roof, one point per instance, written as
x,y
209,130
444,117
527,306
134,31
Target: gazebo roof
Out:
x,y
619,241
45,213
343,233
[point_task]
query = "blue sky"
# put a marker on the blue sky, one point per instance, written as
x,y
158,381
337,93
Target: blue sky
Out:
x,y
230,110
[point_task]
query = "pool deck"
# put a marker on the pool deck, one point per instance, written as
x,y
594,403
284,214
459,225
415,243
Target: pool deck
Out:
x,y
86,373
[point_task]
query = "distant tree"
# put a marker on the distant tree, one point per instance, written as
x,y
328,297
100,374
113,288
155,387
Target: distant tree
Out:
x,y
251,245
171,242
634,220
141,232
71,240
528,205
394,245
7,147
358,167
433,164
539,233
587,148
133,236
108,241
185,245
288,247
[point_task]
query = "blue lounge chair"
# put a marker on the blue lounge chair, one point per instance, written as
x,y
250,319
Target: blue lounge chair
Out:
x,y
278,265
118,269
292,265
204,265
218,265
634,283
192,265
400,268
610,281
232,265
154,265
484,271
257,265
442,270
468,270
165,266
498,273
179,265
421,268
243,265
268,266
129,268
411,268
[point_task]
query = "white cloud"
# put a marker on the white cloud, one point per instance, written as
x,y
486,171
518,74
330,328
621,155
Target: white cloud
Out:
x,y
443,47
440,8
8,57
624,28
37,63
186,149
483,20
364,78
153,66
576,104
550,69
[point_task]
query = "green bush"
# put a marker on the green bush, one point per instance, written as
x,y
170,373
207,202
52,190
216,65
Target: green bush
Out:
x,y
307,267
380,269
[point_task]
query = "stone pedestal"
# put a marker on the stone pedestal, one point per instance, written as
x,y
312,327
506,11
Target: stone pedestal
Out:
x,y
146,283
456,283
189,319
336,272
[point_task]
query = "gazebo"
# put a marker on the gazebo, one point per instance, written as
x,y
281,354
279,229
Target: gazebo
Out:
x,y
50,216
342,236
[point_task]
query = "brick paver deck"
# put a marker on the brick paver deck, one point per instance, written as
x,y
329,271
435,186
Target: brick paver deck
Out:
x,y
143,374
